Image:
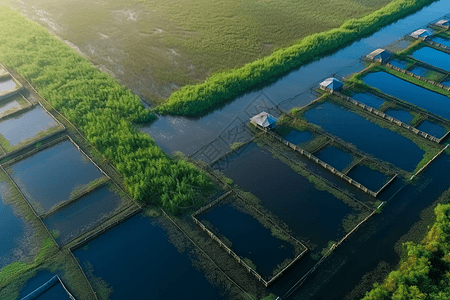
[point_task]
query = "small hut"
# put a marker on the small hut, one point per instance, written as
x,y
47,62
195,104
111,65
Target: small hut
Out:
x,y
331,84
264,120
420,34
443,23
379,55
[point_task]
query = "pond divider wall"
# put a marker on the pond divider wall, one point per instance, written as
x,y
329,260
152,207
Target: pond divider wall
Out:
x,y
317,161
45,287
386,117
84,275
232,253
437,45
7,94
429,162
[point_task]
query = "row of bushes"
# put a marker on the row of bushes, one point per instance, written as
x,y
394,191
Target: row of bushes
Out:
x,y
104,110
425,273
196,100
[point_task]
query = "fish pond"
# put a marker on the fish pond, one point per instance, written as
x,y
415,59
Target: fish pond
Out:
x,y
400,114
6,85
25,126
56,292
366,136
441,41
432,128
49,176
399,63
82,215
247,237
312,215
369,178
5,106
335,157
394,86
368,99
433,57
146,265
297,137
13,230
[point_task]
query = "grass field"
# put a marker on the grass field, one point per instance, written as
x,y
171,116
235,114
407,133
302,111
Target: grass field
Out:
x,y
155,47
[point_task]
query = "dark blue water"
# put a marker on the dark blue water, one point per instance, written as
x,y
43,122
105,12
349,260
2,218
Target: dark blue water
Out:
x,y
7,85
49,176
366,136
311,214
432,128
249,238
398,63
56,292
8,105
335,157
84,214
371,179
11,229
401,115
442,41
420,71
26,125
433,57
389,84
447,83
297,137
138,261
368,99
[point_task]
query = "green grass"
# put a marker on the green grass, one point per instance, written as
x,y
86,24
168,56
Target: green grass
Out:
x,y
102,109
222,87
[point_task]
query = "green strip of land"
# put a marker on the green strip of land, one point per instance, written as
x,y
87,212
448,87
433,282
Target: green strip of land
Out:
x,y
102,109
196,100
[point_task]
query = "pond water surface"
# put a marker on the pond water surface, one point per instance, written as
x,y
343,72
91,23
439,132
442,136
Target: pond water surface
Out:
x,y
394,86
368,99
12,229
371,179
83,215
432,128
400,114
310,214
7,105
146,265
441,41
366,136
335,157
398,63
56,292
433,57
249,238
296,137
7,85
26,125
49,176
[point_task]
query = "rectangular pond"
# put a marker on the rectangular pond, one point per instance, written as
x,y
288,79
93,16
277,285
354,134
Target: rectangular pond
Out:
x,y
366,136
135,260
25,126
441,41
312,215
335,157
400,114
398,63
12,230
394,86
368,99
248,237
49,176
371,179
56,292
432,128
83,214
433,57
7,85
297,137
5,106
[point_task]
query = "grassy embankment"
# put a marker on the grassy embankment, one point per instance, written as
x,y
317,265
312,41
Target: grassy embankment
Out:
x,y
199,99
425,267
102,109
